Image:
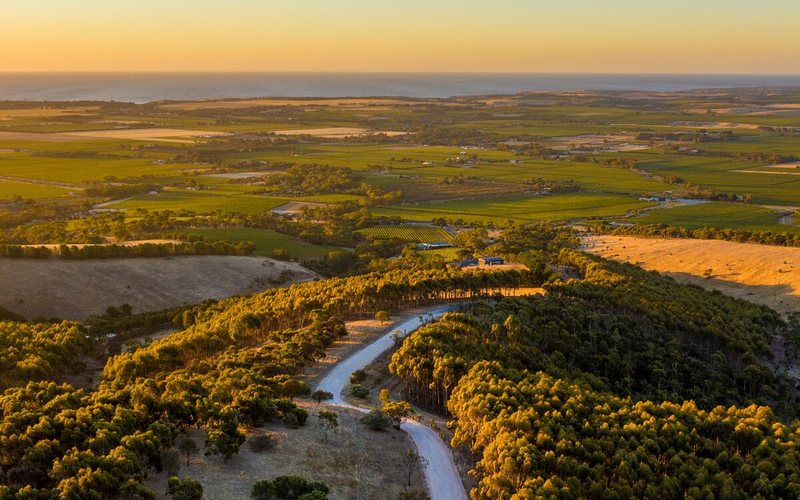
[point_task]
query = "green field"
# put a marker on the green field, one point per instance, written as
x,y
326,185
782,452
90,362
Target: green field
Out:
x,y
266,241
448,254
415,234
30,191
202,201
717,214
468,159
77,170
521,209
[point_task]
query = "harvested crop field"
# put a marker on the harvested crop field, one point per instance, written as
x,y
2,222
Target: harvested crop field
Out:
x,y
75,289
763,274
146,134
335,132
137,134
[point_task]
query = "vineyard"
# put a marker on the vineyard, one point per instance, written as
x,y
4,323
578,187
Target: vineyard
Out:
x,y
416,234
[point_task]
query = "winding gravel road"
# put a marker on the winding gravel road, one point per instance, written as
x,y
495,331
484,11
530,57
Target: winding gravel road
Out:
x,y
441,475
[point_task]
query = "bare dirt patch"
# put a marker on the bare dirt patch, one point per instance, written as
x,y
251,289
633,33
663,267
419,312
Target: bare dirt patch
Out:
x,y
336,132
769,172
296,207
786,166
611,143
716,125
75,289
763,274
238,175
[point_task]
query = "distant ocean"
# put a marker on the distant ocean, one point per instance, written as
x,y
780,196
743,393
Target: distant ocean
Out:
x,y
148,87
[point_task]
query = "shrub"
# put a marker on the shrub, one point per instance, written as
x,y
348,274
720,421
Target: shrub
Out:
x,y
359,391
284,405
290,420
413,495
171,462
293,487
262,442
184,489
263,490
358,377
314,495
376,420
301,414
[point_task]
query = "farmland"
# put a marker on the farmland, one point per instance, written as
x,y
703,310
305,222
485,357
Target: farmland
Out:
x,y
765,274
521,209
416,234
483,160
266,241
326,202
717,214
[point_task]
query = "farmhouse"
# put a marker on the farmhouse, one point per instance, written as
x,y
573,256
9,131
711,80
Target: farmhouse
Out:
x,y
434,245
490,261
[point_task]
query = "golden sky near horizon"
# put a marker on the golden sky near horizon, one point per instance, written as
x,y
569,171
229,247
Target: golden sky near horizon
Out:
x,y
734,36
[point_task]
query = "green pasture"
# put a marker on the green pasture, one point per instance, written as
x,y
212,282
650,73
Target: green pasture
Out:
x,y
717,214
520,209
9,189
266,241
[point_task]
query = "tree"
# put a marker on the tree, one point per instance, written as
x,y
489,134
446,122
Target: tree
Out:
x,y
293,387
383,317
319,396
224,439
411,462
328,422
396,411
188,447
184,489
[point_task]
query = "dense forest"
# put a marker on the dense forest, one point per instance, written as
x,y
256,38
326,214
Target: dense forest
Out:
x,y
233,366
622,382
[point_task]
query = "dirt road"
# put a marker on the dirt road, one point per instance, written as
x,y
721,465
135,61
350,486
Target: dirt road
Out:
x,y
441,475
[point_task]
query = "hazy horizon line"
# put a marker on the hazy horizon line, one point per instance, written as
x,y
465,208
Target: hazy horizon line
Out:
x,y
368,72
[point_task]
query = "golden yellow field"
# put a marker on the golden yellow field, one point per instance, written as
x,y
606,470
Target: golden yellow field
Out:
x,y
763,274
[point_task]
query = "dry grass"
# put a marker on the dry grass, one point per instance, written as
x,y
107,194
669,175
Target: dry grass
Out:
x,y
47,112
75,289
355,462
146,134
763,274
138,134
716,125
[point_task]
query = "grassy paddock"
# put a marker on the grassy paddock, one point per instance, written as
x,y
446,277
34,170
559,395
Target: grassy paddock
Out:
x,y
266,241
521,209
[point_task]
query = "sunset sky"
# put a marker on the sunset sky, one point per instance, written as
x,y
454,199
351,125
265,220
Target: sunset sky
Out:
x,y
639,36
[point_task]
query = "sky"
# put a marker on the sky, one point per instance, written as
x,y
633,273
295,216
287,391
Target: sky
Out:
x,y
553,36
